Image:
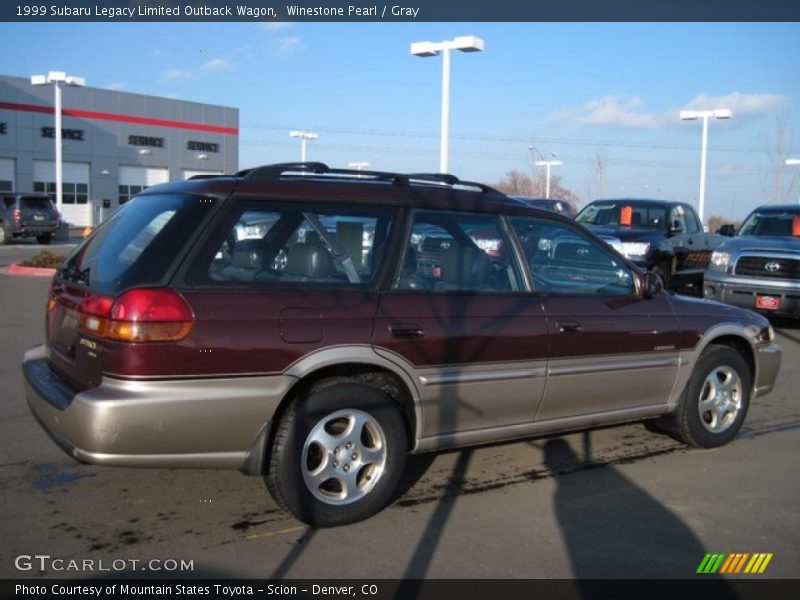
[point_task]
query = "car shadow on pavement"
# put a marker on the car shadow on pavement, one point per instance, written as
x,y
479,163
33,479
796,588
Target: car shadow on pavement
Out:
x,y
611,527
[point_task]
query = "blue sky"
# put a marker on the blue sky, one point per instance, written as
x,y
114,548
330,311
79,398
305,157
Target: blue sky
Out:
x,y
572,89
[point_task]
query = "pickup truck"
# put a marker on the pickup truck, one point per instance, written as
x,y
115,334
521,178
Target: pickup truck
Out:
x,y
759,268
662,236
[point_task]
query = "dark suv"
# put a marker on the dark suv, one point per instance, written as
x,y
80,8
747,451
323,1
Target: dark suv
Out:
x,y
658,235
28,215
284,322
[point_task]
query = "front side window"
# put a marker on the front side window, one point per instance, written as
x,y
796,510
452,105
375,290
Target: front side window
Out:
x,y
452,251
293,244
564,262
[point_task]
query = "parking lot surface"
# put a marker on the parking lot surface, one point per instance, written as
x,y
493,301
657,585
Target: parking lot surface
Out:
x,y
616,502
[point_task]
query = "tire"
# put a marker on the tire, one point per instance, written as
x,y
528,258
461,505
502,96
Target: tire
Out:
x,y
45,239
312,459
5,236
663,270
726,407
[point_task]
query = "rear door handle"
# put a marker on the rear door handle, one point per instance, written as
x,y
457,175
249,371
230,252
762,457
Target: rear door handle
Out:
x,y
568,326
406,330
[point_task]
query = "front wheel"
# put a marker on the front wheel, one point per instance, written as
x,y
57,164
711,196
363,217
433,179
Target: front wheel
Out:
x,y
715,401
338,455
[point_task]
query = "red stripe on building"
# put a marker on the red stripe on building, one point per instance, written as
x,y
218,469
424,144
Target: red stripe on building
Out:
x,y
90,114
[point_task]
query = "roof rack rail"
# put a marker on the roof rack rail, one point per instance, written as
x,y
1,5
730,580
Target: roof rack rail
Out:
x,y
277,170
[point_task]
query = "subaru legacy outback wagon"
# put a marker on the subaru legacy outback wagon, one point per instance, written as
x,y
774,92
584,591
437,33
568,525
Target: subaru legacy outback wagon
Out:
x,y
292,321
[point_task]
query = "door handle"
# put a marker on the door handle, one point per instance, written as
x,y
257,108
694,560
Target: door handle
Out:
x,y
568,326
406,330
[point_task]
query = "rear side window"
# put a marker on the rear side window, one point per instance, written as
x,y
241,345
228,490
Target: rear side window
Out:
x,y
293,244
137,244
454,251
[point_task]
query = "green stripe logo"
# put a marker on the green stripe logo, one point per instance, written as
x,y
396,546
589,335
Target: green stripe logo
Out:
x,y
711,563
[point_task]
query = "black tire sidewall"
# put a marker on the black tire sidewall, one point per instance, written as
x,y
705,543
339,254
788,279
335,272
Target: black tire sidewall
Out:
x,y
287,455
690,415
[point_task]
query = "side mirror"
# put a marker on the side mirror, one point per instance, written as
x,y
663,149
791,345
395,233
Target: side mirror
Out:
x,y
727,230
652,284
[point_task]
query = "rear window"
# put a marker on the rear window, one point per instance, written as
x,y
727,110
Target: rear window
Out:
x,y
34,203
137,244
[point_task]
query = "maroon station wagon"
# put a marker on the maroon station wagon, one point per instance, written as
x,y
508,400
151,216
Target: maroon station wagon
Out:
x,y
317,325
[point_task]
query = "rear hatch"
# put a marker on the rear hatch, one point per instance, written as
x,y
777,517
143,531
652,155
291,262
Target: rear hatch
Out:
x,y
38,212
136,248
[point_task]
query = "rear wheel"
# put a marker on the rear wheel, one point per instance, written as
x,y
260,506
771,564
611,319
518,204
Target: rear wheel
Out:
x,y
715,401
5,235
44,238
338,455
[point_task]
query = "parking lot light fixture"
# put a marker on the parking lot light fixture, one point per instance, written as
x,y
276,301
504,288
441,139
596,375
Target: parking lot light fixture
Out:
x,y
548,164
304,137
56,79
705,115
793,162
464,43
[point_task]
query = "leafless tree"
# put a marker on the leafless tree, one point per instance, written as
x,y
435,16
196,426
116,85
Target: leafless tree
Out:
x,y
595,187
780,186
517,183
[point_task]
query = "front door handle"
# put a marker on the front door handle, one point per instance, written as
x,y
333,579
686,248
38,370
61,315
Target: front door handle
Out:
x,y
406,330
568,326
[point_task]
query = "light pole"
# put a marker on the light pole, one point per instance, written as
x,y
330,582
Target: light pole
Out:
x,y
547,164
693,115
464,43
56,78
793,162
304,136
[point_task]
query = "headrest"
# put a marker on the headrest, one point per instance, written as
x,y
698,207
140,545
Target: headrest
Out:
x,y
309,260
247,254
465,266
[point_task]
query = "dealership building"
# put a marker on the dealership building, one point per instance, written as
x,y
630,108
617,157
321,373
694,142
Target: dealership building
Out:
x,y
114,144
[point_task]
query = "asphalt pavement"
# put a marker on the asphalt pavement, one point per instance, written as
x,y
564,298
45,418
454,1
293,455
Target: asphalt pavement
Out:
x,y
615,502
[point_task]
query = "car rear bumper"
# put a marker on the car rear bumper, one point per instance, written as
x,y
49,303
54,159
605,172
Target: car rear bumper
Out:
x,y
198,423
743,293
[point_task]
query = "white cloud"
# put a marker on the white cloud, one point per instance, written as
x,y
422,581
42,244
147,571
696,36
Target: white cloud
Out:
x,y
217,64
287,46
615,110
274,25
630,112
116,86
741,104
177,74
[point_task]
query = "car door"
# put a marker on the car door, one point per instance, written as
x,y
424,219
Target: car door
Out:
x,y
458,319
688,240
609,349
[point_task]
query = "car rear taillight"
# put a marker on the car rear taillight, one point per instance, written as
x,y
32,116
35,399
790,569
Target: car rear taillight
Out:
x,y
17,216
143,315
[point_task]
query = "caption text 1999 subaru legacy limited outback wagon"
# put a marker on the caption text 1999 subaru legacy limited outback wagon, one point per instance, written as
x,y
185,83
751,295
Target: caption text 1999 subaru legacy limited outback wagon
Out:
x,y
316,325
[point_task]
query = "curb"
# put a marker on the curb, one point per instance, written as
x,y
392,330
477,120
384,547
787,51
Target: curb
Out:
x,y
30,271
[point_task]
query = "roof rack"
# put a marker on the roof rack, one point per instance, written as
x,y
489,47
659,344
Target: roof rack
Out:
x,y
301,169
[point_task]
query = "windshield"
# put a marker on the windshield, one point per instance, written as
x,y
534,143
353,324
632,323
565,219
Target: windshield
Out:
x,y
624,214
137,244
780,223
